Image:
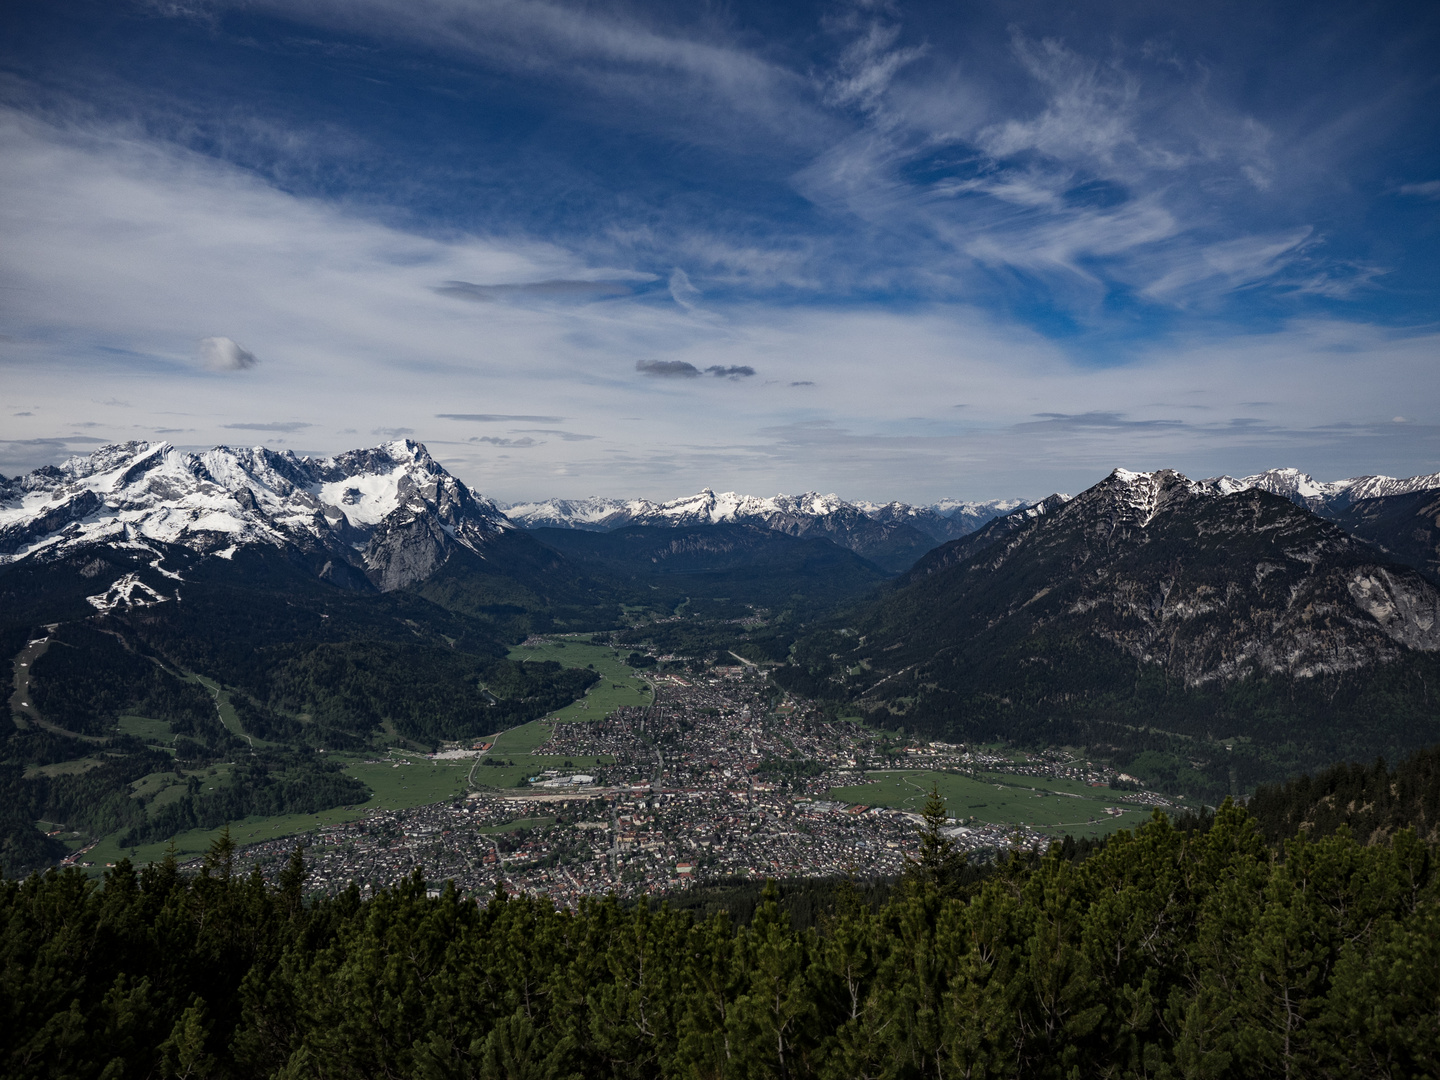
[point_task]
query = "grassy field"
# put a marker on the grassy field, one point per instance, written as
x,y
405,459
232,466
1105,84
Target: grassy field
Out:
x,y
519,823
618,686
393,785
154,732
1048,806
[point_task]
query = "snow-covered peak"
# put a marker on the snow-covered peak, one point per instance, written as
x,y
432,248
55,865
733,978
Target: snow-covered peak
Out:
x,y
710,507
992,507
1303,488
225,497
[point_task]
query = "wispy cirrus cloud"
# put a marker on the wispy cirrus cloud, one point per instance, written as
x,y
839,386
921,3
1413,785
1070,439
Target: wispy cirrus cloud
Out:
x,y
611,217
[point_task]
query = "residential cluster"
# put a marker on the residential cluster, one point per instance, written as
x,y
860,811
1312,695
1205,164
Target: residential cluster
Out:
x,y
722,776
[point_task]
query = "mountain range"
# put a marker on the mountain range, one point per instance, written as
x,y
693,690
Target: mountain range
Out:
x,y
390,515
1236,630
891,535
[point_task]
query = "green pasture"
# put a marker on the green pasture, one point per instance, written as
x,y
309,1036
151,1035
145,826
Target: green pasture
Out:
x,y
154,732
618,686
198,841
1046,805
518,823
394,785
226,710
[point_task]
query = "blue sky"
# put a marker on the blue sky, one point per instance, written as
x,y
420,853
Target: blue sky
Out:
x,y
889,250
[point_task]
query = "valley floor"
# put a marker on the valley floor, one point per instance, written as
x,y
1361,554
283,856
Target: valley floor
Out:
x,y
682,778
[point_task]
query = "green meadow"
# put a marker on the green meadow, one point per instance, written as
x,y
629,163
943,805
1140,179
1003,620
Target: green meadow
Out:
x,y
402,780
618,686
1048,806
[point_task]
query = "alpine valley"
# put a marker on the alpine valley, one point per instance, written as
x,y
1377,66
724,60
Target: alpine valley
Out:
x,y
200,638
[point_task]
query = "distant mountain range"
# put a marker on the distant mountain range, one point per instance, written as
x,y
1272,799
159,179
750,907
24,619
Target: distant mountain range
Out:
x,y
891,535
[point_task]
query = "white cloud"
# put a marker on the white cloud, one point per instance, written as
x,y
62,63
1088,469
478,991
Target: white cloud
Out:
x,y
224,354
676,76
121,254
684,293
1428,189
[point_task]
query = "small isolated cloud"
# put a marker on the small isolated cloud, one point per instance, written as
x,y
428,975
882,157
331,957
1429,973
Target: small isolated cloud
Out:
x,y
803,382
502,418
683,293
22,414
681,369
1429,189
226,354
495,440
392,432
286,426
559,289
667,369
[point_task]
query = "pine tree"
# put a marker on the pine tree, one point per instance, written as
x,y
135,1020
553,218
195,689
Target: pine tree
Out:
x,y
292,881
220,859
940,865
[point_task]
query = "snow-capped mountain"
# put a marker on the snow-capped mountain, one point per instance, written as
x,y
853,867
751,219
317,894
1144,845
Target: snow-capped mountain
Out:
x,y
708,507
390,512
1331,495
1209,580
890,534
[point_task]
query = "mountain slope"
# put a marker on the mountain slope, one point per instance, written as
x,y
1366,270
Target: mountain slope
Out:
x,y
743,565
1406,527
1149,601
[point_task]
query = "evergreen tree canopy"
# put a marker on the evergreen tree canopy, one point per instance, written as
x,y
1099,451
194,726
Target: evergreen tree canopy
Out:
x,y
1166,953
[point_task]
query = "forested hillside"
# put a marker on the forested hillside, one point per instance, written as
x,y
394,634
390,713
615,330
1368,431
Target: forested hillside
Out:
x,y
1165,954
1239,635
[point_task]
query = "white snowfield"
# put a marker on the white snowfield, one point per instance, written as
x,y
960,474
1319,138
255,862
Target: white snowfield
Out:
x,y
224,498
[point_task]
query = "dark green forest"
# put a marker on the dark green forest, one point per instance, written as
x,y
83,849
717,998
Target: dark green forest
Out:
x,y
306,666
1167,952
1055,690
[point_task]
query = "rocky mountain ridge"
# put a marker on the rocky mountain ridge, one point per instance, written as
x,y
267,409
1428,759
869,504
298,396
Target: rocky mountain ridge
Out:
x,y
1208,582
386,516
1325,497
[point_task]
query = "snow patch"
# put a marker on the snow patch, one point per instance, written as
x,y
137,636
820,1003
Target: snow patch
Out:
x,y
128,591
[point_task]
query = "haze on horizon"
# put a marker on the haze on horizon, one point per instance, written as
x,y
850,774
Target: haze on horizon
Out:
x,y
890,250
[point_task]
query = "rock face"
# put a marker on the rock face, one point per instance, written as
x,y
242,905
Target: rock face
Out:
x,y
388,515
1406,527
1208,584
